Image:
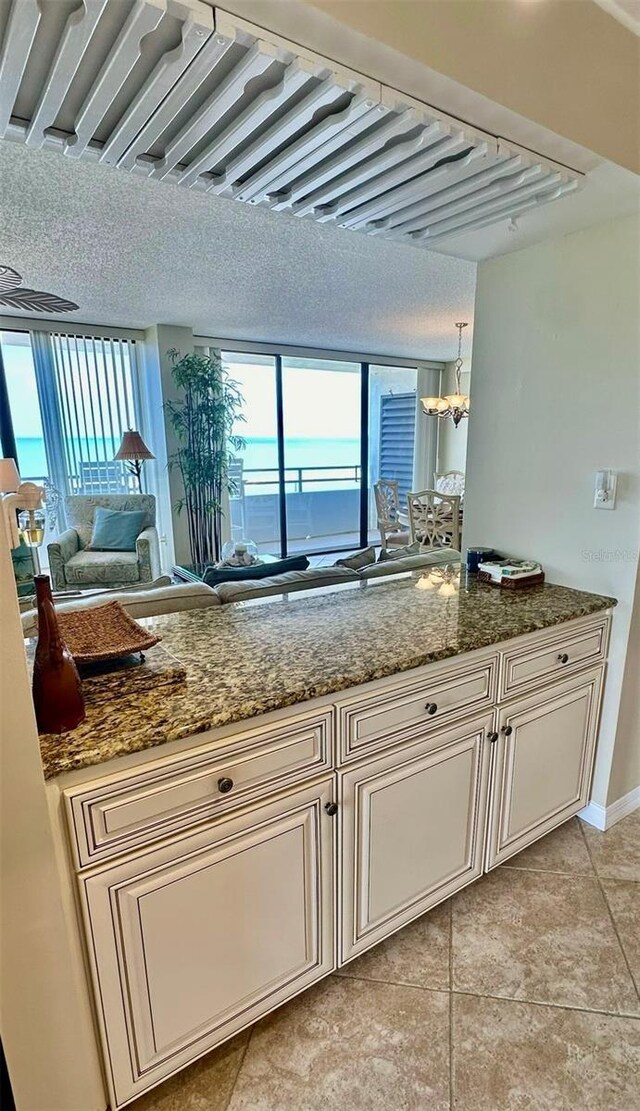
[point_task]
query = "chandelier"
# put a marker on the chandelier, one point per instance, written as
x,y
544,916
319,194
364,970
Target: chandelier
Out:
x,y
444,578
454,405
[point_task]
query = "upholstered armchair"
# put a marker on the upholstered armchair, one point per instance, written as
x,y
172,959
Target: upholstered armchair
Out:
x,y
73,566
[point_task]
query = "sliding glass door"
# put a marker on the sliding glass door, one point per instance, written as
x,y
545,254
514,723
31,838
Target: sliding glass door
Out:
x,y
318,434
23,405
254,499
322,453
71,398
392,433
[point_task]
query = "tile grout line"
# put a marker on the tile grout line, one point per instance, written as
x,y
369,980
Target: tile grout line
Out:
x,y
235,1080
610,912
394,983
451,1096
552,1006
550,872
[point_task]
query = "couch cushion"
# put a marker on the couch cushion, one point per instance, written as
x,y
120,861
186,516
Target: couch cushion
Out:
x,y
137,603
409,563
116,530
281,584
102,567
359,559
215,575
399,553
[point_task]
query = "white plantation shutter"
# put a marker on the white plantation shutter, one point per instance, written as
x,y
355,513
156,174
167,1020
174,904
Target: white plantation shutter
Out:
x,y
397,435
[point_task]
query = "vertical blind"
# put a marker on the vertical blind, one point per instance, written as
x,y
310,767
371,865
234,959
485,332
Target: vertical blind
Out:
x,y
97,398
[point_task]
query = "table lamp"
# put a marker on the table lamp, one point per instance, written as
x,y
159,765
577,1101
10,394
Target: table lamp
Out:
x,y
9,476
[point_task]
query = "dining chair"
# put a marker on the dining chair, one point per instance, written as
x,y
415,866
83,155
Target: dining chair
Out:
x,y
393,532
449,482
434,519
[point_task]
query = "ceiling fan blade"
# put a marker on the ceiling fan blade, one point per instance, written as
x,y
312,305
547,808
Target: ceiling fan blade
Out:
x,y
9,278
35,300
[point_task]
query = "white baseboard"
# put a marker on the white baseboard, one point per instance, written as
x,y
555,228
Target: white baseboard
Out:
x,y
603,817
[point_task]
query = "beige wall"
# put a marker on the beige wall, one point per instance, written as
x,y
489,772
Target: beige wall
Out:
x,y
554,398
45,1015
565,64
625,769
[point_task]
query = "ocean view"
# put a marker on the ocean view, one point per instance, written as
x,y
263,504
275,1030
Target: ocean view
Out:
x,y
260,453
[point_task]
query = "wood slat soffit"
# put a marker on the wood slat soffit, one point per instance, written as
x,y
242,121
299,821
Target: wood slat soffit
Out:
x,y
171,90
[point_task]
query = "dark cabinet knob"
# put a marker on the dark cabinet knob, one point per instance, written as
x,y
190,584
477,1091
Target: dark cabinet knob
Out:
x,y
331,808
431,707
563,658
225,785
492,737
507,730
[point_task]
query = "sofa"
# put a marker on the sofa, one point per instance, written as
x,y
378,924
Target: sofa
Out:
x,y
163,597
73,565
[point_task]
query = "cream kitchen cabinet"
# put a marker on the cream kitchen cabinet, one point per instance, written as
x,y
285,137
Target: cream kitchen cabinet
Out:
x,y
198,937
219,879
542,762
413,825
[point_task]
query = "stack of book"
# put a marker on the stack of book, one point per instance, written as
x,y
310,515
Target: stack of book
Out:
x,y
512,573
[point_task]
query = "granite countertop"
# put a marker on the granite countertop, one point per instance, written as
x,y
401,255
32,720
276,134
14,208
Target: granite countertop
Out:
x,y
247,659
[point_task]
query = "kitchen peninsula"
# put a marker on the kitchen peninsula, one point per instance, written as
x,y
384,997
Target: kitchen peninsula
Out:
x,y
334,765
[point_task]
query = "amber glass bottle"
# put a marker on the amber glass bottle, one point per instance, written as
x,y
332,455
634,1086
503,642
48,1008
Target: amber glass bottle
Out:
x,y
57,689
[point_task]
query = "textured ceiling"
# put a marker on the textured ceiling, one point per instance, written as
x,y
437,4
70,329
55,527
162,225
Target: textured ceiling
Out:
x,y
133,252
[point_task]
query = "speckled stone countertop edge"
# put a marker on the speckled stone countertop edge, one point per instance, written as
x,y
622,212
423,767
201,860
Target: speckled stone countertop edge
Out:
x,y
95,743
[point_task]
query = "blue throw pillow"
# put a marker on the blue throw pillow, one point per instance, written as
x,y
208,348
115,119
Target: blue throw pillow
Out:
x,y
115,530
215,575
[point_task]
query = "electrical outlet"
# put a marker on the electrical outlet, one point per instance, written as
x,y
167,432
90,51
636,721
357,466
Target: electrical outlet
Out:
x,y
605,491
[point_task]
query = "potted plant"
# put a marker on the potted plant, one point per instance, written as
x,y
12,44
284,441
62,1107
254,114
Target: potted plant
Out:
x,y
203,419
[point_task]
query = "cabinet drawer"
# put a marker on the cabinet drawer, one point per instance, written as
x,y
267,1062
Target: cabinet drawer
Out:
x,y
106,818
552,657
369,723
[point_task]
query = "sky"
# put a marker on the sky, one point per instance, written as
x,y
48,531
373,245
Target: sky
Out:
x,y
317,402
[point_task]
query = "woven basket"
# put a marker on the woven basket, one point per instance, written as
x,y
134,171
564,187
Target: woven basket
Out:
x,y
511,584
103,633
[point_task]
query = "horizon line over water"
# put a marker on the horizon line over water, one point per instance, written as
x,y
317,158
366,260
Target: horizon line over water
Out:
x,y
260,453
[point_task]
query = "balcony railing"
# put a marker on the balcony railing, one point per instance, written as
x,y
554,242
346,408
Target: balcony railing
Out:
x,y
296,479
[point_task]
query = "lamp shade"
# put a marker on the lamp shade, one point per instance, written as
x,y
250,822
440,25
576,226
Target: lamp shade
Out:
x,y
133,447
9,476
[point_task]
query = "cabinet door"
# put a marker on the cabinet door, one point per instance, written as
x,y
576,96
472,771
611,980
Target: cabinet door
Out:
x,y
197,938
413,825
542,762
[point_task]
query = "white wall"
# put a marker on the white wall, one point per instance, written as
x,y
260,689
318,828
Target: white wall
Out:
x,y
452,441
625,768
45,1014
158,340
554,397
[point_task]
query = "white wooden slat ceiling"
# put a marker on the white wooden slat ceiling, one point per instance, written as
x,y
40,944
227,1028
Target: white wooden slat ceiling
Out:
x,y
165,89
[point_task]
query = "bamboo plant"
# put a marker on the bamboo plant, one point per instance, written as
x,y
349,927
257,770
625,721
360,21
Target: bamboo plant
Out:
x,y
203,418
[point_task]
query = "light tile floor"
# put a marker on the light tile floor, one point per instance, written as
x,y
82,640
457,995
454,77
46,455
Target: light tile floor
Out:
x,y
518,993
